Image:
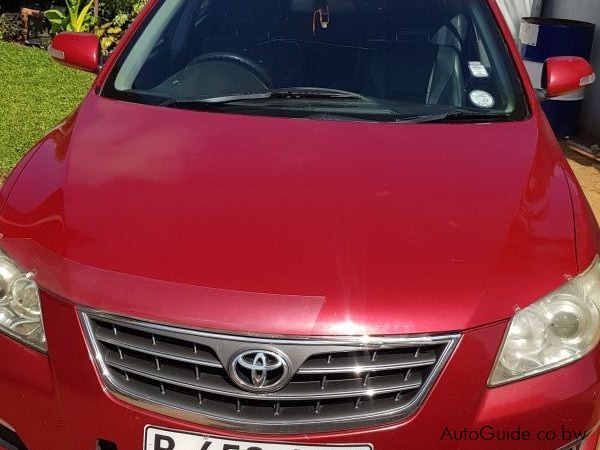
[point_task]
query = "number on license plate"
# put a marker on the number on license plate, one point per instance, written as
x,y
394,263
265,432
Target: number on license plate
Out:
x,y
163,439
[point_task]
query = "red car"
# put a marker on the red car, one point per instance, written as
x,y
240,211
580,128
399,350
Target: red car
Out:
x,y
301,225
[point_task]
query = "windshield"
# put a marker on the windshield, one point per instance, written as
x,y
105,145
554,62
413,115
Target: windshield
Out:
x,y
380,60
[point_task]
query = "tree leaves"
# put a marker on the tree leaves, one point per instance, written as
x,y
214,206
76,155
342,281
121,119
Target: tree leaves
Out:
x,y
78,18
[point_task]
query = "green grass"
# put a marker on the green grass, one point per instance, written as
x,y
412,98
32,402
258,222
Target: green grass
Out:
x,y
35,95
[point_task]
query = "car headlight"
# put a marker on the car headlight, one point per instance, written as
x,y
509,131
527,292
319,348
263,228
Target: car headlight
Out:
x,y
555,331
20,310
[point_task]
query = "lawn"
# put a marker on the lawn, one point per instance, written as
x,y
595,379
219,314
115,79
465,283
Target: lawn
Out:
x,y
35,94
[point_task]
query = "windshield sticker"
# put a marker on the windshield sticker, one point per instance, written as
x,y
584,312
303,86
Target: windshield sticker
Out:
x,y
482,99
478,70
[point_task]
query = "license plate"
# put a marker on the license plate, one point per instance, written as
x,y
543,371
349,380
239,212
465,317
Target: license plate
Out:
x,y
163,439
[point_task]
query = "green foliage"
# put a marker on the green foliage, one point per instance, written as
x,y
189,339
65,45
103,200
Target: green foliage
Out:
x,y
111,8
138,5
109,35
36,94
110,32
58,20
11,27
78,17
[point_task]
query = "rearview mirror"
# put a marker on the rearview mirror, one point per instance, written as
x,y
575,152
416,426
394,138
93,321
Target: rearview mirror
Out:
x,y
78,50
566,74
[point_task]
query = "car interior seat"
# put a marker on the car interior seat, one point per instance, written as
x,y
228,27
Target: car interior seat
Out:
x,y
446,80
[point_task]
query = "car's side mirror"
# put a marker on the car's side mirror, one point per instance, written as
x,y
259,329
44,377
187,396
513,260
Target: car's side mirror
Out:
x,y
566,74
78,50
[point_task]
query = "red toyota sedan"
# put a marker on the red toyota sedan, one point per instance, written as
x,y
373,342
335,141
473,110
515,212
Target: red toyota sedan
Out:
x,y
302,225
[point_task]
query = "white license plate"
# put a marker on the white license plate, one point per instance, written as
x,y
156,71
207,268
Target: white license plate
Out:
x,y
163,439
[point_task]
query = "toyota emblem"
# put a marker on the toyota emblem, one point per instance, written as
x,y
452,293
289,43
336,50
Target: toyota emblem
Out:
x,y
260,370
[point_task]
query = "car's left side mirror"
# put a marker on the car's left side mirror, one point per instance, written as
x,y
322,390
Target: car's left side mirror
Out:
x,y
563,75
78,50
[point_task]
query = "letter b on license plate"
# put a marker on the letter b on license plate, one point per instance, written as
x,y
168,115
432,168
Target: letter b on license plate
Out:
x,y
163,439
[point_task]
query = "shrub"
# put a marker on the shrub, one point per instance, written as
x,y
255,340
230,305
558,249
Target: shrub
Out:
x,y
109,9
78,17
11,27
110,31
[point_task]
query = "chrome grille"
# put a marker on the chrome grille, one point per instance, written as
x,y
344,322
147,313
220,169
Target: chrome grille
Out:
x,y
337,384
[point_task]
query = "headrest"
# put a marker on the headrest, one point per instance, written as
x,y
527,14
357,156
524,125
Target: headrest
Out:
x,y
453,33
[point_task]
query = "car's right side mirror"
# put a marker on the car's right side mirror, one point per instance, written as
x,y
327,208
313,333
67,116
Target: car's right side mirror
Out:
x,y
563,75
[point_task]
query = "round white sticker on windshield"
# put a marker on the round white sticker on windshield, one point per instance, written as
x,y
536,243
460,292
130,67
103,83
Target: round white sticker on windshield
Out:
x,y
482,99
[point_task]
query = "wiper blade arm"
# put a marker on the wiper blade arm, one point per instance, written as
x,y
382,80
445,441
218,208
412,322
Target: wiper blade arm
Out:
x,y
223,100
285,93
312,92
457,116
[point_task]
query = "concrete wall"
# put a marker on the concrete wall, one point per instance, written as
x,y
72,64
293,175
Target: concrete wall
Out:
x,y
589,11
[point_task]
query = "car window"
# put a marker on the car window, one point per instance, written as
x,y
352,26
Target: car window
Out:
x,y
384,60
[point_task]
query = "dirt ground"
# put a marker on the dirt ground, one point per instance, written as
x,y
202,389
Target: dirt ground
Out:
x,y
588,174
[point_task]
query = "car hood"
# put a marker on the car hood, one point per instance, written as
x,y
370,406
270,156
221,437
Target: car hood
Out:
x,y
292,226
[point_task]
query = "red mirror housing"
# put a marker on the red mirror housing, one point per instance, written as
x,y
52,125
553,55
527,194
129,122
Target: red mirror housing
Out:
x,y
78,50
566,74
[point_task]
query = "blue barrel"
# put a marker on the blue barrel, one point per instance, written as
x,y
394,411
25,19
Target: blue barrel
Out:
x,y
542,38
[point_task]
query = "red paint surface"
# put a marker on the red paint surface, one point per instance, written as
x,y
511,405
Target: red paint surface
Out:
x,y
262,225
79,50
386,228
564,74
72,409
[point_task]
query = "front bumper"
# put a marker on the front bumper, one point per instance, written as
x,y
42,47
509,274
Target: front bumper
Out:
x,y
59,401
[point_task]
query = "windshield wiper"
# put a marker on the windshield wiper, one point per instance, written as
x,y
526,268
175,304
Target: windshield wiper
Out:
x,y
284,93
458,116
